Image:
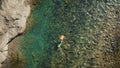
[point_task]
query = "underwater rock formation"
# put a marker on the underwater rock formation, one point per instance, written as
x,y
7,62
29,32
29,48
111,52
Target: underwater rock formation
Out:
x,y
13,16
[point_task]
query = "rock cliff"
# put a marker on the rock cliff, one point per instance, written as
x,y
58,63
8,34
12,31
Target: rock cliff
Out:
x,y
13,16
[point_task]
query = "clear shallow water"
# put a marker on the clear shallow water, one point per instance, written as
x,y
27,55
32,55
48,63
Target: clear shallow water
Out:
x,y
89,31
34,42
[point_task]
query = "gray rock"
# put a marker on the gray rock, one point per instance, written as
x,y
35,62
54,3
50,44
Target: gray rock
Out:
x,y
2,57
13,17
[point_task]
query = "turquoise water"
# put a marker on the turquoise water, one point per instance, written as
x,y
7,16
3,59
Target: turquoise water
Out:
x,y
34,42
88,27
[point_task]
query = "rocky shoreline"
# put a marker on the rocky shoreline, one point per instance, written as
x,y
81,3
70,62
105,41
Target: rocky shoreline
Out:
x,y
13,17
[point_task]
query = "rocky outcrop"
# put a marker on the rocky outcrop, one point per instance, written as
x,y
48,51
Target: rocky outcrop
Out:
x,y
13,16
